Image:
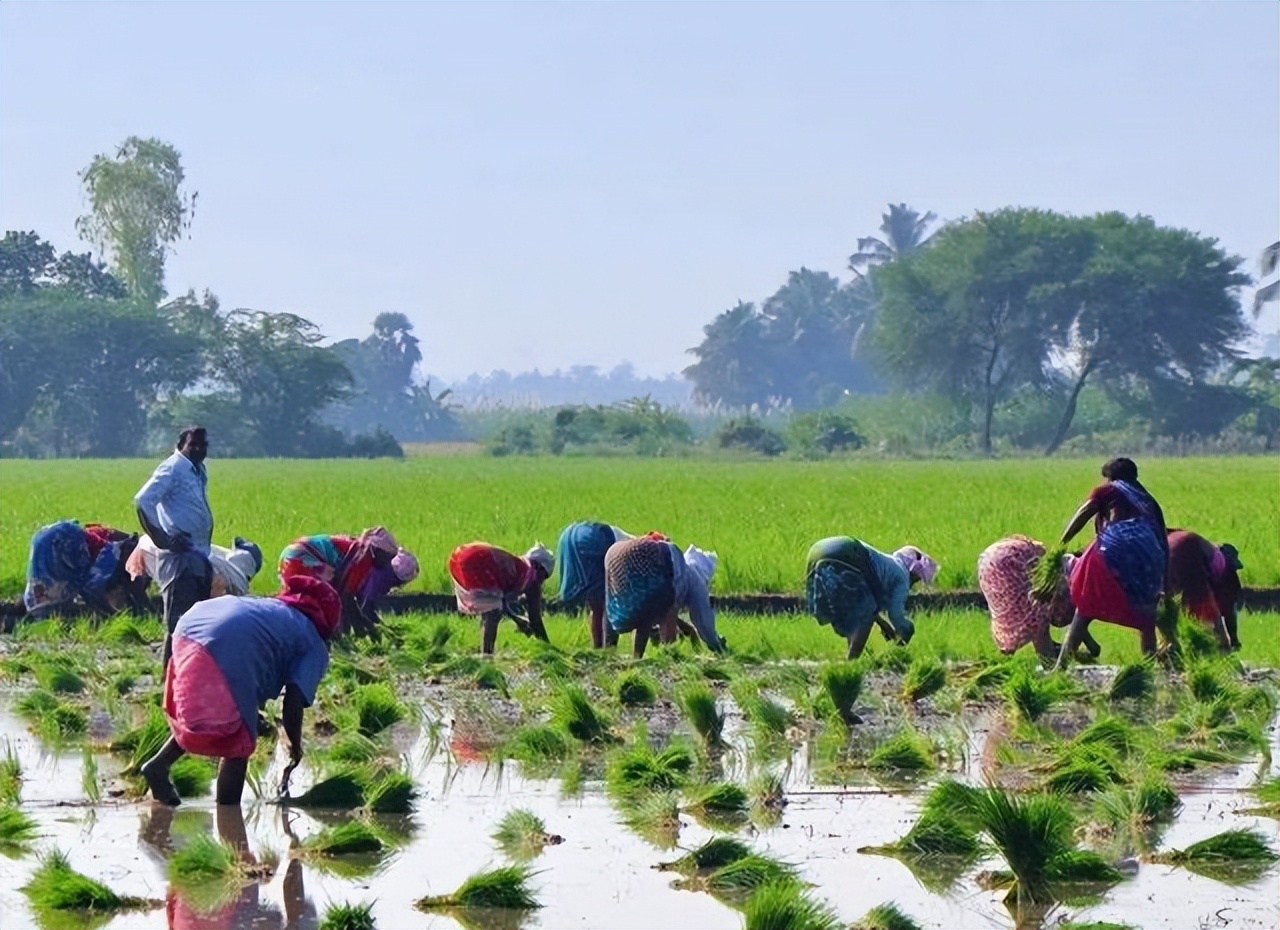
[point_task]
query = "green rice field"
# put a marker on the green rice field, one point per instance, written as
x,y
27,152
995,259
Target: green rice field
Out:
x,y
760,516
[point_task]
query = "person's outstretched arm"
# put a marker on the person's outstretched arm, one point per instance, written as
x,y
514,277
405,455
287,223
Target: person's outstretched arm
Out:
x,y
1088,510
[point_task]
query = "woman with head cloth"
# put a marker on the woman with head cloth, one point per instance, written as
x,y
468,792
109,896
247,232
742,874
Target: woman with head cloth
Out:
x,y
230,656
1120,576
68,561
580,555
489,582
852,587
362,568
648,581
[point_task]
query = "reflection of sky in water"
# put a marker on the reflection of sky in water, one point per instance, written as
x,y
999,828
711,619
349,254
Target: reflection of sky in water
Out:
x,y
602,875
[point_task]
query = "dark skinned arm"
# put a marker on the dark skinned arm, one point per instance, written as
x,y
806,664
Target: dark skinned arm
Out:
x,y
534,598
1088,510
176,543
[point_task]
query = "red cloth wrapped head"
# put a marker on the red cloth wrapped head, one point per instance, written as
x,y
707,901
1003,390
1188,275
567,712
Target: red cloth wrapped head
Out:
x,y
315,598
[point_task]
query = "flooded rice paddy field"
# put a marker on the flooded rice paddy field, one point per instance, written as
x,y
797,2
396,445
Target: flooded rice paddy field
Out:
x,y
455,744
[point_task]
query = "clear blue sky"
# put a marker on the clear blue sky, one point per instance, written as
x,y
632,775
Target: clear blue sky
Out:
x,y
549,185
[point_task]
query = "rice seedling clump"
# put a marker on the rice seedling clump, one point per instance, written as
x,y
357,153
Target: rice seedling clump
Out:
x,y
16,828
393,793
785,906
203,859
885,917
377,708
505,887
354,836
522,834
1232,857
58,887
905,751
714,853
343,790
536,744
1133,681
193,775
843,684
575,713
634,688
925,676
723,798
742,876
699,705
637,768
348,917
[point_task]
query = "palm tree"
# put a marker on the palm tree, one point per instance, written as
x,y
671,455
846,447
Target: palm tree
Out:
x,y
1268,292
903,230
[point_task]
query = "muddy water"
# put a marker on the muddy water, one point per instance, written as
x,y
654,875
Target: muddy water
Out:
x,y
602,875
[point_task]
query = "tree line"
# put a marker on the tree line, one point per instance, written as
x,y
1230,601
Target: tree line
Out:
x,y
97,360
1007,304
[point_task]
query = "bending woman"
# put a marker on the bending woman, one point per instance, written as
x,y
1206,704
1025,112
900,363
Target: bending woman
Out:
x,y
69,561
648,581
852,586
1004,576
581,553
489,582
362,568
230,656
1207,578
1119,577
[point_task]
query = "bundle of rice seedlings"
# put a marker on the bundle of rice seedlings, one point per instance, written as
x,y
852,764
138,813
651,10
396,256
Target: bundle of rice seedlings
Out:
x,y
58,676
1078,776
739,878
354,748
522,834
1231,857
436,644
193,775
536,744
1207,681
634,688
925,676
1046,575
461,667
722,798
144,741
885,917
574,712
1133,681
393,793
950,798
1153,801
348,838
785,906
933,834
843,684
768,718
377,707
1268,792
344,790
35,704
488,677
89,776
123,630
638,768
1034,835
10,776
699,705
203,859
768,790
552,663
987,679
1113,733
16,828
905,751
506,887
64,721
348,917
1029,692
55,886
1196,639
711,855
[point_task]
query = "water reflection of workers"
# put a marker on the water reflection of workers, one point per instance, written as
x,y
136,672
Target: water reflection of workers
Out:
x,y
245,909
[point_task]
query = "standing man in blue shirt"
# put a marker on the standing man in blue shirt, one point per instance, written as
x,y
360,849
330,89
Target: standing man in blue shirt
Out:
x,y
173,507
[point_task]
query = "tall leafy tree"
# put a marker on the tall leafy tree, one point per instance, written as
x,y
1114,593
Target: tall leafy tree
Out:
x,y
1268,264
973,314
1152,306
732,368
138,207
902,231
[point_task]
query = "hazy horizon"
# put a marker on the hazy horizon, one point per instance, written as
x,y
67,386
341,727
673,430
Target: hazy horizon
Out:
x,y
543,186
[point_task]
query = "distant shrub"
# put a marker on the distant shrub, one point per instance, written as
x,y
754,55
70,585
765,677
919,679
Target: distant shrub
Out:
x,y
749,433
